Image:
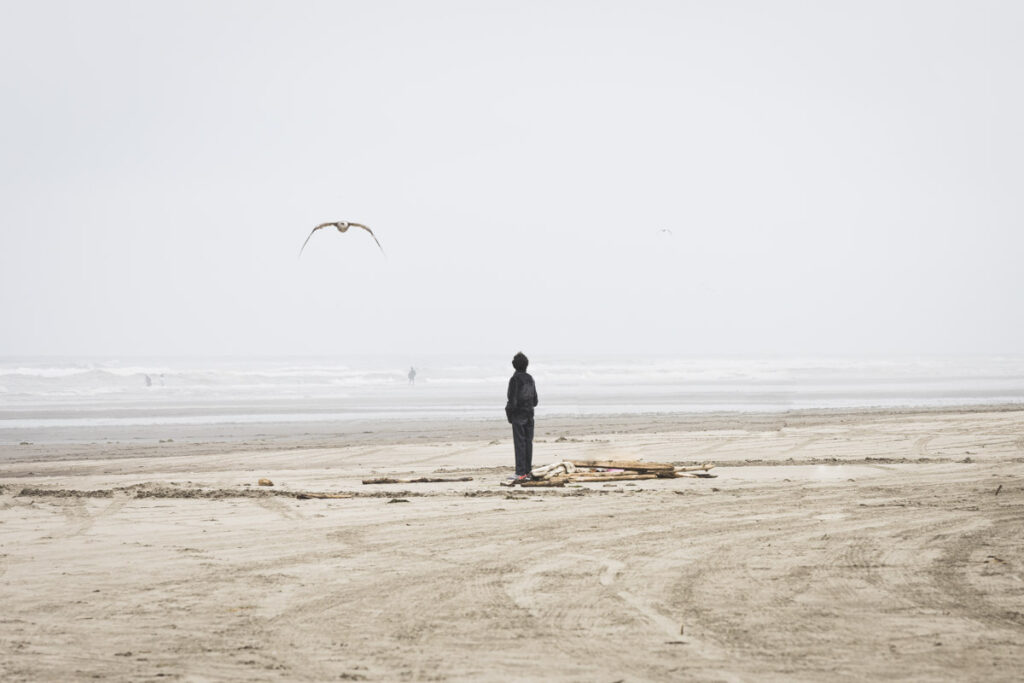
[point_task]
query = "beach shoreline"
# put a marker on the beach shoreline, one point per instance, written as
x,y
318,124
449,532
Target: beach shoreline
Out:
x,y
30,442
832,544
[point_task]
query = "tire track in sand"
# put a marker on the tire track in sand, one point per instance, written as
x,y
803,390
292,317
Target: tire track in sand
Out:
x,y
921,445
540,589
78,518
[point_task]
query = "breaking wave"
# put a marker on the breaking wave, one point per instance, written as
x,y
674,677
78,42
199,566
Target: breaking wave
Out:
x,y
198,389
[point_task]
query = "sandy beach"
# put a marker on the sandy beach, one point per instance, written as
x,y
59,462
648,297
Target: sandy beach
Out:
x,y
831,546
271,274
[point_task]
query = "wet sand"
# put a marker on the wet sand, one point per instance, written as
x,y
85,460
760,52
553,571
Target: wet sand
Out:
x,y
831,546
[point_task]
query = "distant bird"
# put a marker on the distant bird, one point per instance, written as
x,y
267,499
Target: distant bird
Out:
x,y
665,230
342,226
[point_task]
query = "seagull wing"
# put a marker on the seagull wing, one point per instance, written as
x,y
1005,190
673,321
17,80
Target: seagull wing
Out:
x,y
360,225
322,225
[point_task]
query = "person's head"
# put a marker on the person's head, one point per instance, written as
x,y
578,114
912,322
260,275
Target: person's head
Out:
x,y
520,361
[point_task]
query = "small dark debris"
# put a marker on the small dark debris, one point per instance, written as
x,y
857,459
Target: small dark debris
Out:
x,y
397,500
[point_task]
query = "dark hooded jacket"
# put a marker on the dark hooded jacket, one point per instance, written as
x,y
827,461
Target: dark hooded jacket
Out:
x,y
522,397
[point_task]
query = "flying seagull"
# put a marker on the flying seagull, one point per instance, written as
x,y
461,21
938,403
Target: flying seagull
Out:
x,y
342,226
666,230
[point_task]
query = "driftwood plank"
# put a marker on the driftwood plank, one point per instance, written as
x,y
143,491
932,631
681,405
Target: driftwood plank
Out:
x,y
617,476
696,468
609,475
420,480
637,465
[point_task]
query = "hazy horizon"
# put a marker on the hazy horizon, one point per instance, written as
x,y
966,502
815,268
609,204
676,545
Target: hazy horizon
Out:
x,y
839,179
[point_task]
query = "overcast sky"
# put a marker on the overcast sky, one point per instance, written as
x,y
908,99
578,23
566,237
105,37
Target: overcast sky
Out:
x,y
837,177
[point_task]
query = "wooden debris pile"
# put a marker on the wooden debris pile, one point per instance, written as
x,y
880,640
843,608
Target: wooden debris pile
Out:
x,y
568,471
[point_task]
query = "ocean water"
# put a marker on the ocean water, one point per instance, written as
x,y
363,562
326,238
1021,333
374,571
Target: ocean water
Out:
x,y
67,392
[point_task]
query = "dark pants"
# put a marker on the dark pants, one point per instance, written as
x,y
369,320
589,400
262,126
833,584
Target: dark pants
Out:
x,y
522,437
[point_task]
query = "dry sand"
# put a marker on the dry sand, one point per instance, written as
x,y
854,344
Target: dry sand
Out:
x,y
832,546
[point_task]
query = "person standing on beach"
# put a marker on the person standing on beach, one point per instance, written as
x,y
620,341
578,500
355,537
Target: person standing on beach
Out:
x,y
522,397
412,375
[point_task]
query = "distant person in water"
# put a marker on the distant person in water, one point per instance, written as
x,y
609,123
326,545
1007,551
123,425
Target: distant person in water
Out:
x,y
522,397
149,381
412,375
